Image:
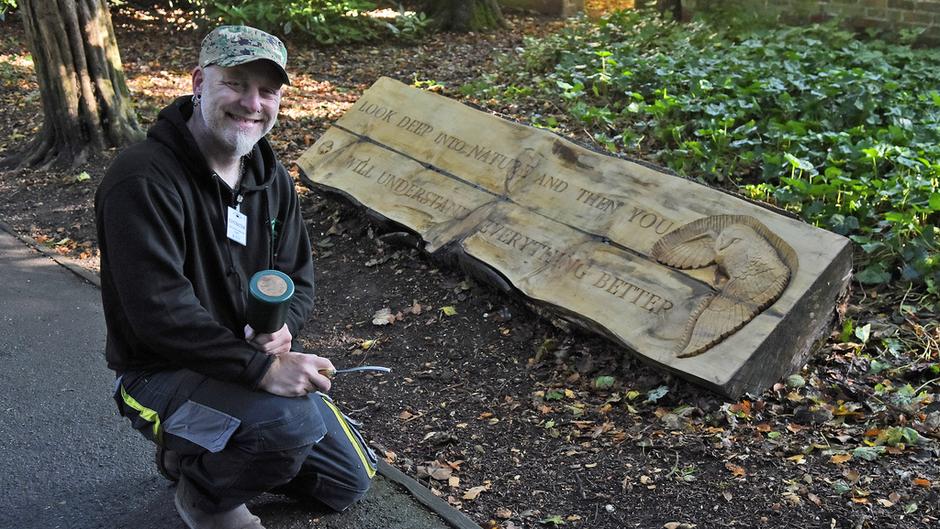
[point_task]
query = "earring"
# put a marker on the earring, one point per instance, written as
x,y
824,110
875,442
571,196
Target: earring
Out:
x,y
196,99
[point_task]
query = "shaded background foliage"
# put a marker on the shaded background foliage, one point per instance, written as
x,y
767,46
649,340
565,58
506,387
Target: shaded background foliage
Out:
x,y
321,21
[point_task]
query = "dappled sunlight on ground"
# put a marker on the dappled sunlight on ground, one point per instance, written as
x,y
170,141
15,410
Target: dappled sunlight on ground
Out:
x,y
309,98
160,85
597,8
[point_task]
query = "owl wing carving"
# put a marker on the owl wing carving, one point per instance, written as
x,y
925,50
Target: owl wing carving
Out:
x,y
686,249
753,269
717,317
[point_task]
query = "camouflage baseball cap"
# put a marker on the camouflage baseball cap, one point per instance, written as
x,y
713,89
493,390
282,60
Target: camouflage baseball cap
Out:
x,y
228,46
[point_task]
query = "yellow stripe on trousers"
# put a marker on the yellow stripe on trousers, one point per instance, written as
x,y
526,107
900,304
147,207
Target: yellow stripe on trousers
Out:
x,y
145,413
352,438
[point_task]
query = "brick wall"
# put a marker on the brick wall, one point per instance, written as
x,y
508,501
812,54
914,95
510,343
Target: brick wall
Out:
x,y
890,14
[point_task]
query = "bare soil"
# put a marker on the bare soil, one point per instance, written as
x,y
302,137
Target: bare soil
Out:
x,y
493,407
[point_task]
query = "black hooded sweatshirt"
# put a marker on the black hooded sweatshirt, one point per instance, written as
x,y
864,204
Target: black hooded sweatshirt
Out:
x,y
173,284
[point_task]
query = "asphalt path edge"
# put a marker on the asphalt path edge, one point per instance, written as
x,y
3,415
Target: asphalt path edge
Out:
x,y
419,492
61,260
440,507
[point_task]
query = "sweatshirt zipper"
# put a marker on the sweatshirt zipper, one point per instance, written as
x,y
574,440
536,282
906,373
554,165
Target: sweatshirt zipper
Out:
x,y
241,301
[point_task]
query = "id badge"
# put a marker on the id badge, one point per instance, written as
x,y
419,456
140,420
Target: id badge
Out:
x,y
237,226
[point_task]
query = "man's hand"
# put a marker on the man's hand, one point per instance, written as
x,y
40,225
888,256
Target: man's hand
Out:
x,y
294,374
275,343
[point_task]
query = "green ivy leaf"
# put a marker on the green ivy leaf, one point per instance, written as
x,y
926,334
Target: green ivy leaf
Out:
x,y
935,202
863,332
799,163
874,275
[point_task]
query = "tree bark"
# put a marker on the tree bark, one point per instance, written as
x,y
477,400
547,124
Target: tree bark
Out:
x,y
673,7
465,15
85,100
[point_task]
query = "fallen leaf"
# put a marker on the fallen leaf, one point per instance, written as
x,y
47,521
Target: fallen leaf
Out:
x,y
440,473
503,513
473,492
921,482
657,393
737,470
383,317
604,382
449,310
838,459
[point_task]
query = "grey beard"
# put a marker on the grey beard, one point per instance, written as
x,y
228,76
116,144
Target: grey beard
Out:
x,y
244,144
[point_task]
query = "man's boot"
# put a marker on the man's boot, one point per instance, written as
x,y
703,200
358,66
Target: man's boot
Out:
x,y
187,499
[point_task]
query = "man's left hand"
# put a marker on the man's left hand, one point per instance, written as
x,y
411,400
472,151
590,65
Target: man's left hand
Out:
x,y
274,343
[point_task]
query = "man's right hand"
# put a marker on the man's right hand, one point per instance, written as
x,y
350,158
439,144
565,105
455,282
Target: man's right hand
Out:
x,y
294,374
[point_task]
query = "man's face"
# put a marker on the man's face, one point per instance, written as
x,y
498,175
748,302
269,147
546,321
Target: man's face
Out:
x,y
239,104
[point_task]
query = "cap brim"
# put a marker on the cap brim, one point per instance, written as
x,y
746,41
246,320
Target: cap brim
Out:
x,y
247,59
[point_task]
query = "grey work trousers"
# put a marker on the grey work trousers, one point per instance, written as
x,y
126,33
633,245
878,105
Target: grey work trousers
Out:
x,y
235,443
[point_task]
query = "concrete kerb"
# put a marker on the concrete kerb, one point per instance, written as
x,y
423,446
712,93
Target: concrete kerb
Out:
x,y
437,506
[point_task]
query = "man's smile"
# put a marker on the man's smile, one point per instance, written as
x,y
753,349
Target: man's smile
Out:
x,y
241,120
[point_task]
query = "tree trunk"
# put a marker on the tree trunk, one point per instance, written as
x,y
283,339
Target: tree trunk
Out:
x,y
465,15
673,7
85,100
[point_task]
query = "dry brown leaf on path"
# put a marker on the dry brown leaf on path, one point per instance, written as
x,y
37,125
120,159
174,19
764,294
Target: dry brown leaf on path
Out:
x,y
440,473
838,459
737,470
473,492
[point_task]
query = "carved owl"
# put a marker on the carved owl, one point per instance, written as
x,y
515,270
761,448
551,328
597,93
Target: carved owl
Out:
x,y
753,267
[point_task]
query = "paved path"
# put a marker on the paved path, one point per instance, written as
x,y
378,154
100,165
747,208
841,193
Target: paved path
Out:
x,y
69,461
